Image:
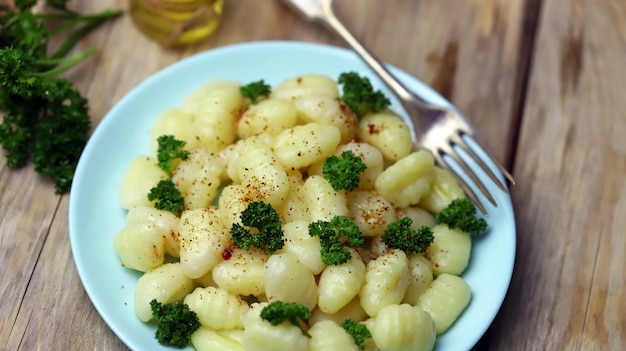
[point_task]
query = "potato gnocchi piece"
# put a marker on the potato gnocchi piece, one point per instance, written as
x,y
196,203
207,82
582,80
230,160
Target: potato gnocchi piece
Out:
x,y
213,133
203,238
288,280
142,174
295,207
305,248
353,310
234,167
166,283
329,336
324,202
205,339
387,132
172,121
195,101
305,85
232,334
445,300
386,280
421,278
372,213
328,110
216,308
444,189
165,222
404,328
198,178
258,169
268,116
217,106
260,335
450,250
233,200
339,284
405,182
243,273
304,145
140,246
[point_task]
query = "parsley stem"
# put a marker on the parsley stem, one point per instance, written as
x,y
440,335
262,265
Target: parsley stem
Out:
x,y
64,63
90,23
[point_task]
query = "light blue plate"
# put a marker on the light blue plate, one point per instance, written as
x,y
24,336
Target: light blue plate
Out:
x,y
95,214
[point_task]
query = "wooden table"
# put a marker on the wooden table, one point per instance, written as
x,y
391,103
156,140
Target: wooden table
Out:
x,y
544,80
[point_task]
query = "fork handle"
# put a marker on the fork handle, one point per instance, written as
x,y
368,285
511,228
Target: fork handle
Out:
x,y
328,16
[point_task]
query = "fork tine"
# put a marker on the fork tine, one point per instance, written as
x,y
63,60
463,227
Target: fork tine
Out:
x,y
501,168
468,190
460,142
473,177
469,130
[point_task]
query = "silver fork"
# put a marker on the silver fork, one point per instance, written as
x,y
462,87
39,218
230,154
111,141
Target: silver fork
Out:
x,y
437,128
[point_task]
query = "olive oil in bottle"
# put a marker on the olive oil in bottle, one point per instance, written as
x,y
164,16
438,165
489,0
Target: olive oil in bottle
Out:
x,y
176,22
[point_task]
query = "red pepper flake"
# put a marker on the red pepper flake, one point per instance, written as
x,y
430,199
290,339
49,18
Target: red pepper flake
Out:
x,y
228,252
372,129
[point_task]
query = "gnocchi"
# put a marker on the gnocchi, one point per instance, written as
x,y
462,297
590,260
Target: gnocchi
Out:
x,y
388,133
274,151
202,240
386,280
217,308
404,328
339,284
445,300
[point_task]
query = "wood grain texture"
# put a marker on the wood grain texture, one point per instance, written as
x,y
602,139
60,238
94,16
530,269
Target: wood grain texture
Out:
x,y
56,312
568,288
22,238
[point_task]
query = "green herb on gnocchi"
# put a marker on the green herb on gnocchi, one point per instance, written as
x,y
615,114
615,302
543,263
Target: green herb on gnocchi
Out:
x,y
358,331
288,224
461,213
175,323
167,196
332,234
265,219
255,90
169,150
400,235
360,96
343,171
277,312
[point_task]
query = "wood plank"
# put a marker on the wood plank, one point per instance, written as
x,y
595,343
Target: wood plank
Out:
x,y
27,204
56,311
567,290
